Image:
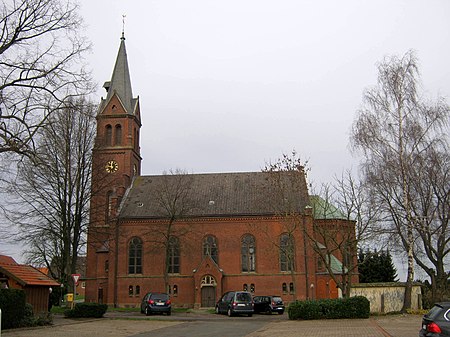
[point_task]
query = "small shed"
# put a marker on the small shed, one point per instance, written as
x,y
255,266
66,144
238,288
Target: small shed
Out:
x,y
37,285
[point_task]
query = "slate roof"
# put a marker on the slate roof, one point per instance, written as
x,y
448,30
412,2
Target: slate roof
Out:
x,y
214,195
25,275
120,82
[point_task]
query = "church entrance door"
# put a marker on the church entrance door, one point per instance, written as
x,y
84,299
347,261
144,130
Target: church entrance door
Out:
x,y
208,296
208,286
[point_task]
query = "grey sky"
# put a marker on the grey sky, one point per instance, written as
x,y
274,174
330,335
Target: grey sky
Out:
x,y
228,85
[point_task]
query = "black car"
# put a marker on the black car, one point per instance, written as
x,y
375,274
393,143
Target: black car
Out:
x,y
156,303
235,302
268,304
437,322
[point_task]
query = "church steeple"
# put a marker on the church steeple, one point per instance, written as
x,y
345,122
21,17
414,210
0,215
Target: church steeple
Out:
x,y
120,80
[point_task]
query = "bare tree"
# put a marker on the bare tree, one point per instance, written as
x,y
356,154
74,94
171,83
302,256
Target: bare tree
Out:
x,y
287,186
174,200
49,199
345,217
40,66
393,130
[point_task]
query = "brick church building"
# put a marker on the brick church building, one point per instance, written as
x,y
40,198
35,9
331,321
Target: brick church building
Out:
x,y
194,236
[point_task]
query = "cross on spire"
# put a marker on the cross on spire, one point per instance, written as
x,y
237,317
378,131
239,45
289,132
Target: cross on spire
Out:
x,y
123,26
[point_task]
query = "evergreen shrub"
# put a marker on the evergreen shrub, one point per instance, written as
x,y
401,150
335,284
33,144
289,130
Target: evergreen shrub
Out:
x,y
95,310
12,304
352,307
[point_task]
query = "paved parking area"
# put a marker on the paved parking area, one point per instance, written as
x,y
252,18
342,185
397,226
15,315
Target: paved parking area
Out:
x,y
117,325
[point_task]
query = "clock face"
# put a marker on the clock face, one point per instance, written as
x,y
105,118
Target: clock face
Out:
x,y
111,166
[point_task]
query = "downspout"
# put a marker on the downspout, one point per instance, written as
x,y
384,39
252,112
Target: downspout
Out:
x,y
306,260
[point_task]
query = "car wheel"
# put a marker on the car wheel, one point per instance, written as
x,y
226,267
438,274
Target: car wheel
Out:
x,y
147,311
250,315
169,313
230,312
269,311
217,310
280,312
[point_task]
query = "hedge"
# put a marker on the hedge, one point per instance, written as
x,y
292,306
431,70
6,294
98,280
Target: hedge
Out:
x,y
352,307
12,304
86,310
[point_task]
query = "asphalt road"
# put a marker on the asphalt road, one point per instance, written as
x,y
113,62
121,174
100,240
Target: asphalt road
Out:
x,y
222,328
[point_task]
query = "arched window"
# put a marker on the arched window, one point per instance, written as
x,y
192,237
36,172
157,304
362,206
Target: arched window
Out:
x,y
135,256
108,135
291,288
174,255
210,247
118,135
286,252
284,288
248,252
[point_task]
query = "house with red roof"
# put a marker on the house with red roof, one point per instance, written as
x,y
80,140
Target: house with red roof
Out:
x,y
37,285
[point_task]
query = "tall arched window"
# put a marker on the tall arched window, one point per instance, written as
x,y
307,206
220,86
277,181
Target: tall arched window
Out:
x,y
108,135
286,252
118,135
135,256
210,247
248,253
174,255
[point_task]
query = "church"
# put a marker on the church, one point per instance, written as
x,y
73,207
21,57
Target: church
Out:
x,y
194,236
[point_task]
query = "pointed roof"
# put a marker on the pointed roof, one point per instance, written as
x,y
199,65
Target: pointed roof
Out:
x,y
120,80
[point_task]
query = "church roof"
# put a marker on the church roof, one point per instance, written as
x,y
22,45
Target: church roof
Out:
x,y
121,81
323,209
213,195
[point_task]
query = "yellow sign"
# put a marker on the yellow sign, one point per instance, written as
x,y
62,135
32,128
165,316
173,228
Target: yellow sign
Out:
x,y
69,297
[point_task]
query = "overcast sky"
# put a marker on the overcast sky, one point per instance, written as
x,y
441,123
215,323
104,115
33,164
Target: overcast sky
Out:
x,y
228,85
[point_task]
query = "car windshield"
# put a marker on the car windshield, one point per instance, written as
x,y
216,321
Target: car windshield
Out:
x,y
277,299
243,297
160,297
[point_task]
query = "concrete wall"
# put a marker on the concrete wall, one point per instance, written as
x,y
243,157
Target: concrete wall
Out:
x,y
387,297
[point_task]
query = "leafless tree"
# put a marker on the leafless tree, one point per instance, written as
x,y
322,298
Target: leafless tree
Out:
x,y
394,131
40,66
287,186
173,195
49,199
345,218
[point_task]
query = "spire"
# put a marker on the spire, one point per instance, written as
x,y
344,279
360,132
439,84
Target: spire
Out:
x,y
120,79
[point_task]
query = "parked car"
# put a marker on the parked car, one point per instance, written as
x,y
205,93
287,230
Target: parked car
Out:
x,y
436,323
156,303
268,304
235,302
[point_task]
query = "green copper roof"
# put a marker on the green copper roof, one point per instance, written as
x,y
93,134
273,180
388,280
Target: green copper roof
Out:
x,y
322,209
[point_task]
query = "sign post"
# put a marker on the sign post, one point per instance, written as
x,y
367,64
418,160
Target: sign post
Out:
x,y
75,278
